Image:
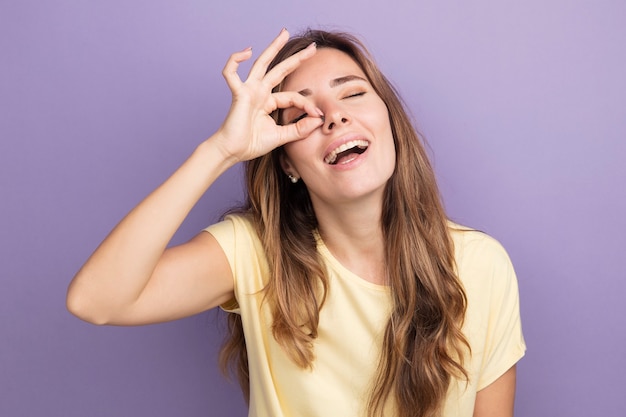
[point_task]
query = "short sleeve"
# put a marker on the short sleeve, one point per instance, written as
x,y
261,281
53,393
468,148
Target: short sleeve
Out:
x,y
242,247
493,324
504,342
224,233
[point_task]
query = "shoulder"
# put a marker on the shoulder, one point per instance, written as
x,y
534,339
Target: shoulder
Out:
x,y
233,225
244,251
476,248
482,262
235,233
239,222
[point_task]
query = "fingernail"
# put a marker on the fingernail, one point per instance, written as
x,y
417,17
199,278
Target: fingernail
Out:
x,y
312,45
320,112
282,30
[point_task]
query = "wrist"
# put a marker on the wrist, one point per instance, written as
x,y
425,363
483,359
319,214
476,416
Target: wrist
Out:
x,y
217,145
213,151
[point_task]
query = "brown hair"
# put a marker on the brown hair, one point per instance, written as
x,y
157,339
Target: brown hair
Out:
x,y
423,345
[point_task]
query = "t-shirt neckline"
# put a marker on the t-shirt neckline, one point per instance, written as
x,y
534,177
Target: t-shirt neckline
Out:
x,y
343,271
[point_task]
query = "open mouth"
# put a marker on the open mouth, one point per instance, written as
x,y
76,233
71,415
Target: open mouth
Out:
x,y
346,152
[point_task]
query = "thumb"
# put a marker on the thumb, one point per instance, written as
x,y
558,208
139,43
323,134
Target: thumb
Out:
x,y
300,130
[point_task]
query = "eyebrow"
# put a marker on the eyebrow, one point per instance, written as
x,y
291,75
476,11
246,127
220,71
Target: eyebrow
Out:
x,y
335,83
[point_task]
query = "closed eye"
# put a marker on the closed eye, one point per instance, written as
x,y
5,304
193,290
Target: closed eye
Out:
x,y
361,93
297,119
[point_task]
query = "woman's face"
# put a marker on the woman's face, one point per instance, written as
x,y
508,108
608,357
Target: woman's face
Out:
x,y
352,155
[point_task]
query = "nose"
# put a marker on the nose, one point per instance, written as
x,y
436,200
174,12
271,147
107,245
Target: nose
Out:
x,y
334,119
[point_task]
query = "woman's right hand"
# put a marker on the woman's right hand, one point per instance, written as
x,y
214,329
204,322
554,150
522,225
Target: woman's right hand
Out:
x,y
132,278
248,130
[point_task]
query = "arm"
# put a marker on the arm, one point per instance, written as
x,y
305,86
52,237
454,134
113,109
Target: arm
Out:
x,y
497,399
132,278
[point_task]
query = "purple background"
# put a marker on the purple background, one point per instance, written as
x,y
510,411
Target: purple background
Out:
x,y
522,103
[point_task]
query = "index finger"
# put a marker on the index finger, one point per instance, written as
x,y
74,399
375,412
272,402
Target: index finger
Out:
x,y
277,74
263,61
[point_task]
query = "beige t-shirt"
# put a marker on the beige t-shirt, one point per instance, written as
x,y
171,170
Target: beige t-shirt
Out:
x,y
351,325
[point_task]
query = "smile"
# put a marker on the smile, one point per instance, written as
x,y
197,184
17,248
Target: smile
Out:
x,y
346,152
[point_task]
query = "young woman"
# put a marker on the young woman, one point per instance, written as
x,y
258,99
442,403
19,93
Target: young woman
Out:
x,y
351,292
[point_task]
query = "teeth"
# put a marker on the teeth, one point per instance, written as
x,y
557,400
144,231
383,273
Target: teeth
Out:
x,y
332,156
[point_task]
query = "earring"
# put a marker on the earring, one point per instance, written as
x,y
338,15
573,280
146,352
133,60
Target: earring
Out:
x,y
292,178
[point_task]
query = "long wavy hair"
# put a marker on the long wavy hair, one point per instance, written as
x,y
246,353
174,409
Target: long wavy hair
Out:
x,y
423,346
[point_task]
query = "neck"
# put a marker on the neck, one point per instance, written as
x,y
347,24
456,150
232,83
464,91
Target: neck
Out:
x,y
352,233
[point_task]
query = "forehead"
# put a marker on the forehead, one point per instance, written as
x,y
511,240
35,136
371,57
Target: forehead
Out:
x,y
327,64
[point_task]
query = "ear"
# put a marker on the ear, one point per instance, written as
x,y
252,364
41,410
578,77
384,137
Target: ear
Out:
x,y
287,165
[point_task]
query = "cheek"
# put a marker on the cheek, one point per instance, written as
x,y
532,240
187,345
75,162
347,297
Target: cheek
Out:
x,y
390,144
298,153
380,116
293,151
